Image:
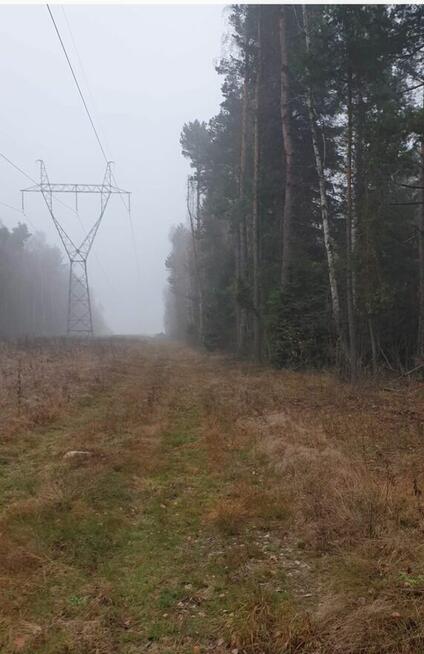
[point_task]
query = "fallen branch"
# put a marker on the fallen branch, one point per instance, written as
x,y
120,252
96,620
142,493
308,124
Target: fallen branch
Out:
x,y
409,372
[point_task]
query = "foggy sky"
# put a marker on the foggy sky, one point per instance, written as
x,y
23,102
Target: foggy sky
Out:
x,y
149,70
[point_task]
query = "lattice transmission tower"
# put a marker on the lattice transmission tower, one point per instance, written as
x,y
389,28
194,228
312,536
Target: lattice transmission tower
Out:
x,y
80,318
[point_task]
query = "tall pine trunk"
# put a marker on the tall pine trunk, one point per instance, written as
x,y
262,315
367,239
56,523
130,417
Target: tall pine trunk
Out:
x,y
241,231
420,341
328,240
237,307
194,235
350,231
198,200
373,344
288,209
358,185
257,318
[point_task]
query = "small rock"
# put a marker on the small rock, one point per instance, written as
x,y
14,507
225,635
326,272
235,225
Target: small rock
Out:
x,y
75,454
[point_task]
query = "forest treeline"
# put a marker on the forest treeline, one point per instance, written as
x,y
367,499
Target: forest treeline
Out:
x,y
304,243
33,286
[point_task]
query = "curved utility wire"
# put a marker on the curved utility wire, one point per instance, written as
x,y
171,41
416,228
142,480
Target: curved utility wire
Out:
x,y
17,168
85,77
31,179
77,84
9,206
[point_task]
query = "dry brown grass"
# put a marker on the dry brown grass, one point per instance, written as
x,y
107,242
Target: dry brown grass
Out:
x,y
40,380
348,464
346,469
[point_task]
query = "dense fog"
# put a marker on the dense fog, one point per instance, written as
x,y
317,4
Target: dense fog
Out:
x,y
142,70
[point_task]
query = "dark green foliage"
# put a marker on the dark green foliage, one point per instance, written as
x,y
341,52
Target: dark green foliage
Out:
x,y
299,323
178,318
378,51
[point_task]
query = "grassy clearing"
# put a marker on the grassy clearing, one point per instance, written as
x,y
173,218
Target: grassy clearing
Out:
x,y
220,507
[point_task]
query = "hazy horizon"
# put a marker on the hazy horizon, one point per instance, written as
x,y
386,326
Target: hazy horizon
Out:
x,y
145,71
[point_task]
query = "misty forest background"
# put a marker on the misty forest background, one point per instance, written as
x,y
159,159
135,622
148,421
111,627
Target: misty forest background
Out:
x,y
33,286
304,243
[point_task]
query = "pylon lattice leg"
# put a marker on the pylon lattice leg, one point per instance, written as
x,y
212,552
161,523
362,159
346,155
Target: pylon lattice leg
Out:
x,y
80,321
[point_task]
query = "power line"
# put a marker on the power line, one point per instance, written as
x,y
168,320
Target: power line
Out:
x,y
77,84
84,74
9,206
31,179
17,168
134,243
9,161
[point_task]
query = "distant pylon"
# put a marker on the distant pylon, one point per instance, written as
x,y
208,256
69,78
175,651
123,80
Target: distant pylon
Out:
x,y
80,317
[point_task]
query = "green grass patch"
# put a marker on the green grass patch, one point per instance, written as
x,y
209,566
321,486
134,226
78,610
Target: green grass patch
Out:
x,y
129,550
